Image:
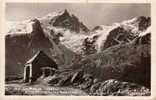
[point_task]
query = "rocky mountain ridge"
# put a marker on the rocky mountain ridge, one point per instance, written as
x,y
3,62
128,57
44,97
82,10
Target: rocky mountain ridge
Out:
x,y
99,38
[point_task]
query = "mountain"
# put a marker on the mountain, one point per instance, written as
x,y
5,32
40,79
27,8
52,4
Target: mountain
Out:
x,y
104,36
21,47
57,32
86,42
113,54
122,69
69,22
61,19
126,62
61,26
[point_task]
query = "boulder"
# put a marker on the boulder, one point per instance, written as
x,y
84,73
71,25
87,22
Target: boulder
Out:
x,y
77,78
115,87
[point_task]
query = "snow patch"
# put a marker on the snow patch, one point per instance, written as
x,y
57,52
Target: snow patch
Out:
x,y
103,36
145,32
23,27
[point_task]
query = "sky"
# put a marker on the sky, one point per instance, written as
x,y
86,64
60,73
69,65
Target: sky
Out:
x,y
91,14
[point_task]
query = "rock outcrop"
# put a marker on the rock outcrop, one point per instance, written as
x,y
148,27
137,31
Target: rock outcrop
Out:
x,y
71,22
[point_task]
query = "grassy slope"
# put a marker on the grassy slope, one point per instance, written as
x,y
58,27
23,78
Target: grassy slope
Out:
x,y
127,62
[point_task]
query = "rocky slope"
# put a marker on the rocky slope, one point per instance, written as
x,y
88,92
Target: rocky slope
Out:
x,y
121,70
127,62
106,36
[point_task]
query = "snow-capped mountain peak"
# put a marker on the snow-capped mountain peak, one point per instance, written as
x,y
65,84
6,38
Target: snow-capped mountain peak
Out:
x,y
62,19
65,27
